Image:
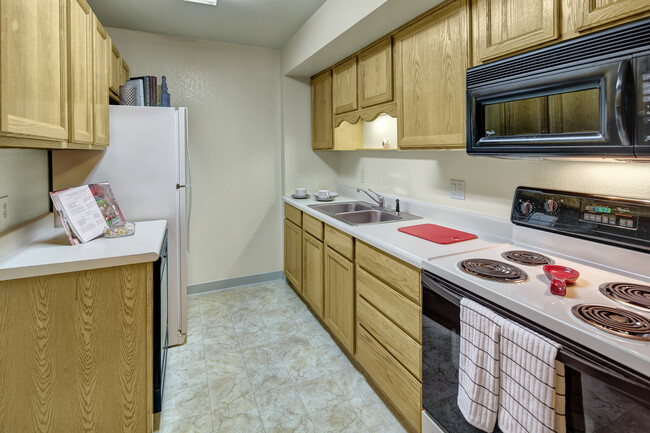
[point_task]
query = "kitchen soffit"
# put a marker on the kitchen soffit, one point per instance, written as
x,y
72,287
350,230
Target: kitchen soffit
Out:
x,y
264,23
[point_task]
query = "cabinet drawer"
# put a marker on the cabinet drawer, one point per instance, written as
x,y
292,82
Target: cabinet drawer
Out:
x,y
292,214
404,313
400,276
403,390
391,337
339,242
312,226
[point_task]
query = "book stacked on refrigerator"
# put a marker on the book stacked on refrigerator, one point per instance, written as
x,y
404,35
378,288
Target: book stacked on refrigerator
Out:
x,y
148,90
86,211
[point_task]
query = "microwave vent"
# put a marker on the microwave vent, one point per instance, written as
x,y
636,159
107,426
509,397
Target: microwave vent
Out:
x,y
614,43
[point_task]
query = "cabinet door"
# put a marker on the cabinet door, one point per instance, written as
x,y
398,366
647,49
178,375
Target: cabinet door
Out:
x,y
321,112
312,272
33,57
339,298
293,254
80,71
503,27
116,69
376,74
599,12
124,73
345,87
431,58
102,45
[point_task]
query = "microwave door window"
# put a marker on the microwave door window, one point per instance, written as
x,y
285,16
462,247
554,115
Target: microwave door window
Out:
x,y
571,112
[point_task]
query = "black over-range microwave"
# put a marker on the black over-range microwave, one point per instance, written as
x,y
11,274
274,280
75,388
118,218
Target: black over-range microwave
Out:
x,y
586,97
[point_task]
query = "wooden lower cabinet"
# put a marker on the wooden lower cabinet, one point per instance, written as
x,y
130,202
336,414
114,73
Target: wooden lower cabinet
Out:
x,y
312,272
293,254
78,351
339,298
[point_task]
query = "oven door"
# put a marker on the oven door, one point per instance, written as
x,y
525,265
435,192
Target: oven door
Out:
x,y
601,396
579,112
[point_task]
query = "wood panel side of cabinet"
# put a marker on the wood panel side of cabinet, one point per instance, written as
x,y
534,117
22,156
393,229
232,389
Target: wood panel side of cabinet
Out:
x,y
81,355
344,86
322,116
80,71
33,69
376,74
115,72
312,272
101,68
431,58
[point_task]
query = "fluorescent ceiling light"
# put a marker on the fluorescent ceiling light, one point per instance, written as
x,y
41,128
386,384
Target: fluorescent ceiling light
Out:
x,y
203,2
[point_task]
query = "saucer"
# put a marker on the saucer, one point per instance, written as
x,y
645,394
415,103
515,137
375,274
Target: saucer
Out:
x,y
299,197
323,199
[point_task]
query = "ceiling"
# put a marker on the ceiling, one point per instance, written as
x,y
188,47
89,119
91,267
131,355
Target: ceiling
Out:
x,y
264,23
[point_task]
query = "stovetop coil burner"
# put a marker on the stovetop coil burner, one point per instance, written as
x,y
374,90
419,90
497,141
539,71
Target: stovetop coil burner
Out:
x,y
634,295
493,270
616,321
530,258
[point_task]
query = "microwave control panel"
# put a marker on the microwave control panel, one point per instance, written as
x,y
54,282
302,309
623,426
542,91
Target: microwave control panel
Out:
x,y
619,221
642,76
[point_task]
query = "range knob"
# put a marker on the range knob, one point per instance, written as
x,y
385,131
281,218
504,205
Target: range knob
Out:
x,y
527,208
551,206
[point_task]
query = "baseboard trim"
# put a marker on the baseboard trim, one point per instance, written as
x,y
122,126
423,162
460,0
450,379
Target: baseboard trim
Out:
x,y
230,283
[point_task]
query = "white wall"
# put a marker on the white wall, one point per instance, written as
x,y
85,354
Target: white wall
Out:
x,y
233,95
24,179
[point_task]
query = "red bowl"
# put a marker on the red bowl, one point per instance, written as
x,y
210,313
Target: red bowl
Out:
x,y
561,273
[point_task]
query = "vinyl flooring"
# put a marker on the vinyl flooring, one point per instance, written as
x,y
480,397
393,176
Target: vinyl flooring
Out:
x,y
255,361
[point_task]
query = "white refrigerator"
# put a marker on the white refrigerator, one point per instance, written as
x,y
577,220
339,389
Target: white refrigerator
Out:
x,y
148,166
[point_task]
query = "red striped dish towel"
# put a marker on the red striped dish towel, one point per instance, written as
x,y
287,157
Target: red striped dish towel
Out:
x,y
478,366
532,382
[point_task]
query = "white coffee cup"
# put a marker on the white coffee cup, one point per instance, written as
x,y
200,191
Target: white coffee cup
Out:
x,y
300,192
323,194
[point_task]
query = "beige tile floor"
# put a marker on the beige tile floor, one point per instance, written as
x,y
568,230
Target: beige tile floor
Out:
x,y
256,360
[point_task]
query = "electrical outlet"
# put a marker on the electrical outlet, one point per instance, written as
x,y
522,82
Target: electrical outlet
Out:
x,y
4,210
457,189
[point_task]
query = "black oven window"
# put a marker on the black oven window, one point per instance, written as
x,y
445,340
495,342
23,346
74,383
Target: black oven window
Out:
x,y
570,112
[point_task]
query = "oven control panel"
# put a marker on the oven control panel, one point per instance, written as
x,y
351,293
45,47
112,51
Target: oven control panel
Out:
x,y
624,222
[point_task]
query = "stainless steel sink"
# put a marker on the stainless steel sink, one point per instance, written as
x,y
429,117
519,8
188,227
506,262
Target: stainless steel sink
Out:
x,y
334,208
368,217
361,213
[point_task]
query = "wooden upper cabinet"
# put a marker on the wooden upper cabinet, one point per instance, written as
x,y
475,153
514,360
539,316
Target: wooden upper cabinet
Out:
x,y
102,43
33,71
600,12
80,71
376,74
124,72
503,27
431,58
116,71
345,86
321,112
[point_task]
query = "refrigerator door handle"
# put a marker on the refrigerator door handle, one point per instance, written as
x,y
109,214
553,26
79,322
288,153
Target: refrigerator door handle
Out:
x,y
189,185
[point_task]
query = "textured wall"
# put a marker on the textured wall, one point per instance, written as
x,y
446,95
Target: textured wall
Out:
x,y
24,178
490,182
233,96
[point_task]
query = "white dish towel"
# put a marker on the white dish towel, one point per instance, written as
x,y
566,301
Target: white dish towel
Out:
x,y
478,371
532,382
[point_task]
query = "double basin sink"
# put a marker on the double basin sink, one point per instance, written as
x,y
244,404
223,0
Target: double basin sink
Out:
x,y
360,213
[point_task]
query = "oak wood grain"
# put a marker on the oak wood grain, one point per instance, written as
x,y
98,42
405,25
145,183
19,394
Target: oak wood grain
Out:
x,y
376,74
339,311
344,90
80,72
293,254
340,242
312,272
313,226
102,44
322,111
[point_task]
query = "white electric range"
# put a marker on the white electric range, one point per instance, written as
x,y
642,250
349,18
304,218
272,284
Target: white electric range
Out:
x,y
607,241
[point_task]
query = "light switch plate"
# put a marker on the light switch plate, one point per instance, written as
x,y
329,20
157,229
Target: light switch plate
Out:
x,y
4,210
457,189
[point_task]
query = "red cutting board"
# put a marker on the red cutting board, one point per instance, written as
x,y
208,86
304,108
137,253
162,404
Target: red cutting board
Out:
x,y
437,234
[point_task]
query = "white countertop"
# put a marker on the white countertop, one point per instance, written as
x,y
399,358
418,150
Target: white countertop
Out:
x,y
50,251
386,237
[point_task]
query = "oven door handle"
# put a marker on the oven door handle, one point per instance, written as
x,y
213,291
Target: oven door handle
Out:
x,y
619,102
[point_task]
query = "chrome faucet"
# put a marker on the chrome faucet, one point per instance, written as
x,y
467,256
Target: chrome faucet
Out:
x,y
379,200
